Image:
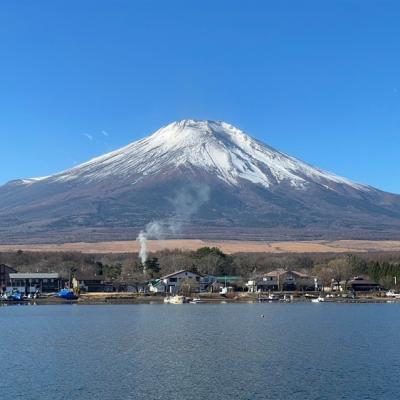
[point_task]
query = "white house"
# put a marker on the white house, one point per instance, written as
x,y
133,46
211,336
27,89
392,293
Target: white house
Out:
x,y
252,285
172,283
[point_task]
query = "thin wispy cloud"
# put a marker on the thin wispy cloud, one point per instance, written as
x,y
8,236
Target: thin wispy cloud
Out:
x,y
105,133
89,136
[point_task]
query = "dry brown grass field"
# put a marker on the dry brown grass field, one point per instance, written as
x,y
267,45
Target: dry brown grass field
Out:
x,y
229,246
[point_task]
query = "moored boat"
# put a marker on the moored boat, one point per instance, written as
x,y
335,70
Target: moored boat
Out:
x,y
393,294
175,300
319,299
15,295
196,300
269,298
67,294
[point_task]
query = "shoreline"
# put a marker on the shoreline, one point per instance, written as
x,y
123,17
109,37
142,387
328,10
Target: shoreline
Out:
x,y
128,298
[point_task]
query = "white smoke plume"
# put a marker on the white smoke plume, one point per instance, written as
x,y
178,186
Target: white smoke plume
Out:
x,y
143,246
153,230
187,202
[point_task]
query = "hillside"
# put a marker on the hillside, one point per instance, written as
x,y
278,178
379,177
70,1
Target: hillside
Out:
x,y
195,179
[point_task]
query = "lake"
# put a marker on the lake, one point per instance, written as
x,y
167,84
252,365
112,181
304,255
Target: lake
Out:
x,y
201,351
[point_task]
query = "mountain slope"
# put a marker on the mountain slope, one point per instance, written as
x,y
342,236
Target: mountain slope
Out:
x,y
202,178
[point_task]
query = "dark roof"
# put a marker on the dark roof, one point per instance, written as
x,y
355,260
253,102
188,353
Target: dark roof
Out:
x,y
6,267
83,277
361,281
154,282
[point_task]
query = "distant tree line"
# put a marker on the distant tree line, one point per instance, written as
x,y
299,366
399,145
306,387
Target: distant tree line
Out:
x,y
381,267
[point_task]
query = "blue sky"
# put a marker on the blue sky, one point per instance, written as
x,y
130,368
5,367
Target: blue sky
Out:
x,y
319,80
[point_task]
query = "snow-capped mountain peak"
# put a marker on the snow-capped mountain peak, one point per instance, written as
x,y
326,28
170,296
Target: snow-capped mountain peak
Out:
x,y
253,192
212,146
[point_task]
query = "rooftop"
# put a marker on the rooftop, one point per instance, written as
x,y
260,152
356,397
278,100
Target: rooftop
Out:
x,y
34,275
358,280
279,272
179,272
83,277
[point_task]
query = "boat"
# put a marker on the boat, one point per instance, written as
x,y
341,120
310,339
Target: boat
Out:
x,y
393,294
196,300
175,300
15,295
269,298
319,299
67,294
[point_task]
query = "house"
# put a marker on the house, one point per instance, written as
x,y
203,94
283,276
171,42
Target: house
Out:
x,y
222,284
252,285
284,280
91,283
32,282
173,283
5,272
157,286
360,284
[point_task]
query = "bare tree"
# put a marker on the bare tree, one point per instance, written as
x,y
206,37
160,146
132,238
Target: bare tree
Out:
x,y
341,270
189,286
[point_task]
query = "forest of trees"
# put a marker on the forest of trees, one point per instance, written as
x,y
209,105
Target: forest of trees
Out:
x,y
381,267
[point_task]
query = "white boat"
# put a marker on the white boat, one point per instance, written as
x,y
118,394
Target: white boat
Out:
x,y
196,300
175,300
271,297
319,299
393,294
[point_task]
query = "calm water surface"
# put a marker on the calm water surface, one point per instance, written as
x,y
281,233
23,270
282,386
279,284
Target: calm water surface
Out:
x,y
224,351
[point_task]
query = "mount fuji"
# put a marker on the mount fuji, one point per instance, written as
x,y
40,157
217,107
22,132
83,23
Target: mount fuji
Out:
x,y
196,179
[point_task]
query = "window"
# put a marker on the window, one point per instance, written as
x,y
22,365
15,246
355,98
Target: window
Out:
x,y
172,279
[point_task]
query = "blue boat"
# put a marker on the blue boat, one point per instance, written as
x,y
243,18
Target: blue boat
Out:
x,y
15,295
67,294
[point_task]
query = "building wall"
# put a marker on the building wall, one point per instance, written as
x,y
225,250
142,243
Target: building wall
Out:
x,y
33,285
158,289
286,281
173,283
91,285
5,271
